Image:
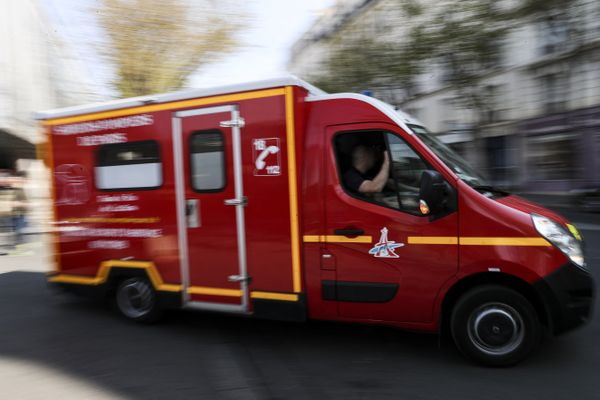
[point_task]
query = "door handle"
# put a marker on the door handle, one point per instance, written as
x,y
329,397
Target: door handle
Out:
x,y
192,213
239,278
349,232
237,202
190,207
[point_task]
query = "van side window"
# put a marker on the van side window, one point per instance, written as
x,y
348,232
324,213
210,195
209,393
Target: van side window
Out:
x,y
128,166
407,169
207,161
360,158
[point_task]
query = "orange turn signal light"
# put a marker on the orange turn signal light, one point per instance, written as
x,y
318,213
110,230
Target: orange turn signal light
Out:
x,y
423,207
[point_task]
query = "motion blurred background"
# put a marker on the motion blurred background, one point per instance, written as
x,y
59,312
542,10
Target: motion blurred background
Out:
x,y
512,85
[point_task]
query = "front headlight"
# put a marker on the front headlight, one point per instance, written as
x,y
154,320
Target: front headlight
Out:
x,y
560,237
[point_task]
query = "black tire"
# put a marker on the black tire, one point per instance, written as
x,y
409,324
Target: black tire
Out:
x,y
135,299
495,326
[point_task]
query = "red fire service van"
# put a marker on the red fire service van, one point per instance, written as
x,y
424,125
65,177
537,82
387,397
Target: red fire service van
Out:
x,y
277,200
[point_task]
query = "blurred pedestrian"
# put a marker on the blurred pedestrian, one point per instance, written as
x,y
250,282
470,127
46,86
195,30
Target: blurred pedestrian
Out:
x,y
7,199
13,210
19,210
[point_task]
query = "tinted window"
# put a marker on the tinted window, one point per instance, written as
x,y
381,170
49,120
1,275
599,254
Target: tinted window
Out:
x,y
128,153
450,157
407,169
131,165
207,161
402,179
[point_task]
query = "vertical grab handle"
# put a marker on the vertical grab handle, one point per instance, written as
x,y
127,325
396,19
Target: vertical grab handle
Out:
x,y
192,212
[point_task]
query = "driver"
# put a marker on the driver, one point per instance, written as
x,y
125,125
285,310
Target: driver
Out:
x,y
359,177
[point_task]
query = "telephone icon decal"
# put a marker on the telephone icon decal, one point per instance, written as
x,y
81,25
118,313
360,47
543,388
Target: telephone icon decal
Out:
x,y
267,157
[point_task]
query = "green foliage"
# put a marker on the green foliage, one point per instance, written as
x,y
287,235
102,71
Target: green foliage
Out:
x,y
462,37
412,8
155,45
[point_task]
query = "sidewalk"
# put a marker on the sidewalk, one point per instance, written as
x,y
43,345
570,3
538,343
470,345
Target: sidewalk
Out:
x,y
34,256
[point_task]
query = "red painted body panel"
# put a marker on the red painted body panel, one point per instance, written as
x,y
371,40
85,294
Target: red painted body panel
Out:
x,y
76,256
212,254
212,246
484,217
520,204
418,273
419,269
268,210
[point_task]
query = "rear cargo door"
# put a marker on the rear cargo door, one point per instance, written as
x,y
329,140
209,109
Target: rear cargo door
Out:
x,y
210,206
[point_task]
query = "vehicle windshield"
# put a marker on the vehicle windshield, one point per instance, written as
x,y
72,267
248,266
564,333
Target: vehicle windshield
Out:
x,y
450,158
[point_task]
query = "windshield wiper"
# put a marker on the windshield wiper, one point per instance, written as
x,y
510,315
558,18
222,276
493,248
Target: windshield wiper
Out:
x,y
491,189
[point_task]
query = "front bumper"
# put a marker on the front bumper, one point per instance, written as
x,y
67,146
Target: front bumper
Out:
x,y
568,295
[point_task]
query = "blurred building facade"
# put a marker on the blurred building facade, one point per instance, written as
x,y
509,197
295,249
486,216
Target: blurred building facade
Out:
x,y
37,72
542,130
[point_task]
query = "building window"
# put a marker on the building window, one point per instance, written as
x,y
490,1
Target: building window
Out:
x,y
128,166
597,160
553,157
493,97
497,159
207,161
552,93
554,34
447,112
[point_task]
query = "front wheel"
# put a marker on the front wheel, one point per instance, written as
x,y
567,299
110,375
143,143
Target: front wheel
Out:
x,y
135,299
495,326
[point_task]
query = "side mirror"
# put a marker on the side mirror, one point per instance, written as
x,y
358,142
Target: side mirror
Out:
x,y
432,194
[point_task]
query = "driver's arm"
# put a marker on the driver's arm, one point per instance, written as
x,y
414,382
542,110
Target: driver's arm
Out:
x,y
377,184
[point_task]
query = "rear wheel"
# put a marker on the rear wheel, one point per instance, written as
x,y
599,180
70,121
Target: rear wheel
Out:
x,y
495,326
135,299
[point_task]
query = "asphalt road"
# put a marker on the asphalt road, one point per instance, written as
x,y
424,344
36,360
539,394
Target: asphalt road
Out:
x,y
56,346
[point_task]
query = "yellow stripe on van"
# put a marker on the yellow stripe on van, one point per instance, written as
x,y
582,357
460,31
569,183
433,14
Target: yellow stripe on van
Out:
x,y
149,220
214,291
159,285
274,296
438,240
432,240
166,106
336,239
503,241
479,241
54,233
76,279
292,185
313,239
104,272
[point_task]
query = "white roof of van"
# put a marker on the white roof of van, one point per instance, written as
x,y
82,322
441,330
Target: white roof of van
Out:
x,y
176,96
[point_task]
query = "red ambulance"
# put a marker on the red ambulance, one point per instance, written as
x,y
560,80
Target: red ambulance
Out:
x,y
247,199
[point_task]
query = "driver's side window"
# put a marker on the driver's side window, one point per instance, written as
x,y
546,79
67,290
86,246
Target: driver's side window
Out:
x,y
361,157
407,169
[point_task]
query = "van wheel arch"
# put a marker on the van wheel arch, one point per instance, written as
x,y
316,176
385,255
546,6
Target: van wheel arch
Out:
x,y
121,282
491,278
119,274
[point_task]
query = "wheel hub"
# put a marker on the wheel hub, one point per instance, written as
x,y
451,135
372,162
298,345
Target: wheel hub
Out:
x,y
496,328
135,299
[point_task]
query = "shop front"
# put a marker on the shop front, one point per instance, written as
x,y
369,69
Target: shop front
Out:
x,y
562,151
